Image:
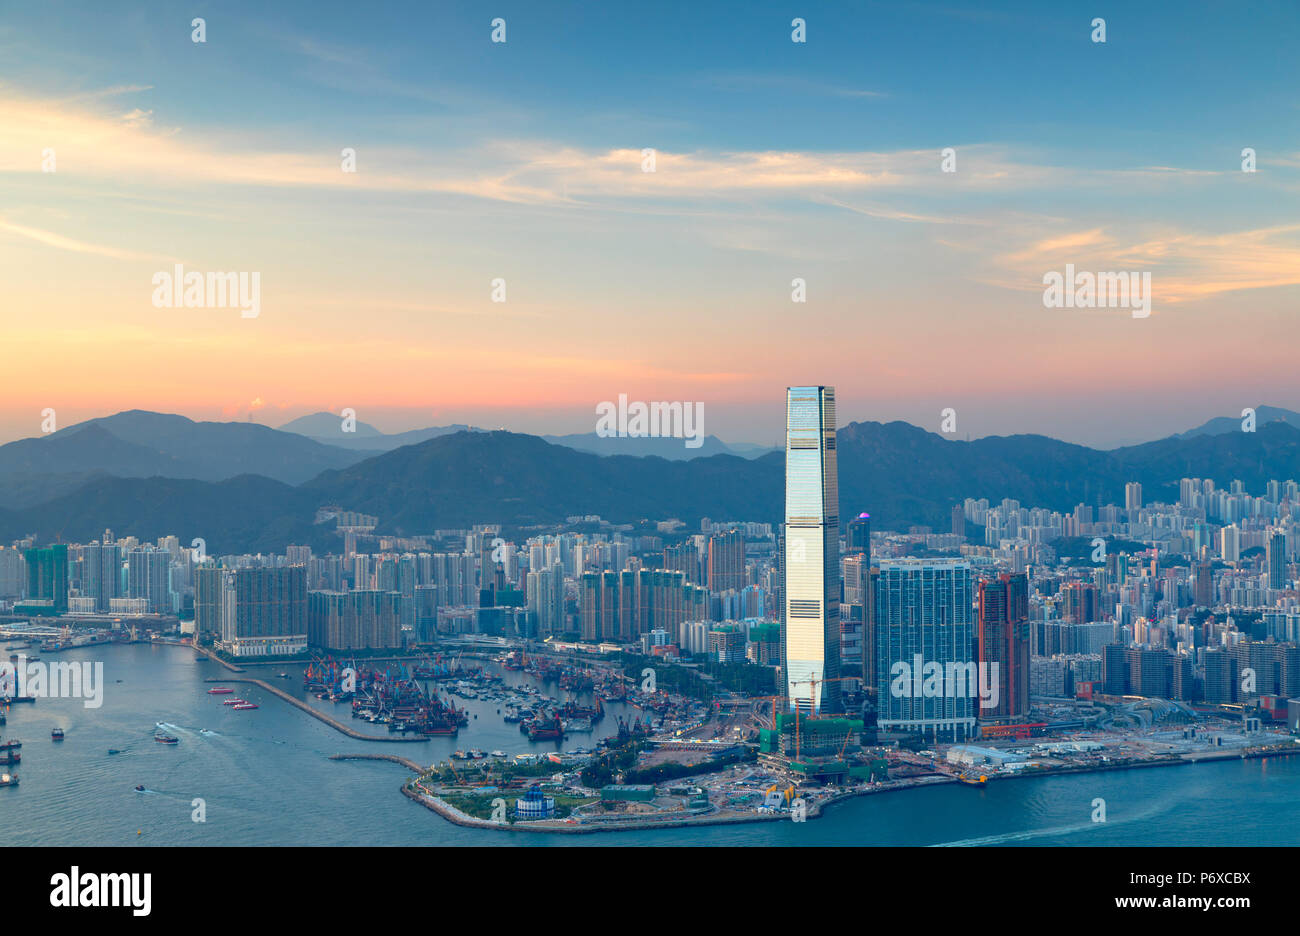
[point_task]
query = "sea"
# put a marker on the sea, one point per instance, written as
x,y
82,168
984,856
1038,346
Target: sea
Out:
x,y
264,778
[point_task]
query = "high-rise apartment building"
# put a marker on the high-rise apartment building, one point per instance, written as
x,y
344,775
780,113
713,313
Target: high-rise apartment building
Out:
x,y
925,667
727,561
1003,645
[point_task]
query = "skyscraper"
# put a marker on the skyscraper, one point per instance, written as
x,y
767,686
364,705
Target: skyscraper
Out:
x,y
926,677
47,578
1277,560
810,646
1004,640
727,561
860,534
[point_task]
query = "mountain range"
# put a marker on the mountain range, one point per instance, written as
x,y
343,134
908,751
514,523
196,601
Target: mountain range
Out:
x,y
244,487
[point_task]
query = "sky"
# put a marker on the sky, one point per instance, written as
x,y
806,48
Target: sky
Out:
x,y
523,161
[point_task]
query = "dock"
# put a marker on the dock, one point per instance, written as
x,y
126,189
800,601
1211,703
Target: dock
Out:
x,y
409,764
332,722
216,659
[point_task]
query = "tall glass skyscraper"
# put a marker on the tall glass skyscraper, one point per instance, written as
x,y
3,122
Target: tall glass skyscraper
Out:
x,y
926,675
810,637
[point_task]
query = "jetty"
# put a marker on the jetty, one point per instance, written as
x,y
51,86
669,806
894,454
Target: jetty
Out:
x,y
332,722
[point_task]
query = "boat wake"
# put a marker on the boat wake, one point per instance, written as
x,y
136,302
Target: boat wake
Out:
x,y
1025,835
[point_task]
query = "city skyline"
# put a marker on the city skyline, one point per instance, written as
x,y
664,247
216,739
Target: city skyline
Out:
x,y
775,161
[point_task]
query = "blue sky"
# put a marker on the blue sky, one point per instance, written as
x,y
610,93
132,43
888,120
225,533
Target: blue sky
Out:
x,y
777,159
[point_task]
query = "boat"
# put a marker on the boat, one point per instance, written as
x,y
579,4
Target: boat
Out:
x,y
499,754
166,739
283,676
56,734
11,757
8,780
233,702
477,755
221,691
140,788
114,750
460,755
242,706
971,780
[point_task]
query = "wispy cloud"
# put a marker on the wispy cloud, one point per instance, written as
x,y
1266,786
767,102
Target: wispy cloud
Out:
x,y
50,239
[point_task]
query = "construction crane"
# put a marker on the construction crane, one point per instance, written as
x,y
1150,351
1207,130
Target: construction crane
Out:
x,y
814,682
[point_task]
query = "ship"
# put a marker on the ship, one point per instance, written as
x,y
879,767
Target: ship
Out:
x,y
244,706
11,757
10,745
233,702
166,739
56,734
8,780
545,729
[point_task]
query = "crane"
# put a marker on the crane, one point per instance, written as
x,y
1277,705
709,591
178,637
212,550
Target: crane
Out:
x,y
814,682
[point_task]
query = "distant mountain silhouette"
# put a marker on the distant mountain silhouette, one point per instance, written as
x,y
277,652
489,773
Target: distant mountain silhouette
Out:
x,y
327,429
665,447
1263,414
139,444
902,475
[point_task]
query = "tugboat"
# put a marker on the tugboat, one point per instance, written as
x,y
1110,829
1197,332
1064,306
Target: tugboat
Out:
x,y
56,734
8,780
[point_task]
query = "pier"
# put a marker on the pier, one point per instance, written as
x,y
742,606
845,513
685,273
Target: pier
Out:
x,y
332,722
409,764
216,659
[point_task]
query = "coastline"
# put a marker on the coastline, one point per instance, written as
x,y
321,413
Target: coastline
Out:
x,y
815,810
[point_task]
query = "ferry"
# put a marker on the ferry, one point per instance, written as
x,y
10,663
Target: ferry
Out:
x,y
166,739
56,734
233,702
8,780
222,691
244,706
